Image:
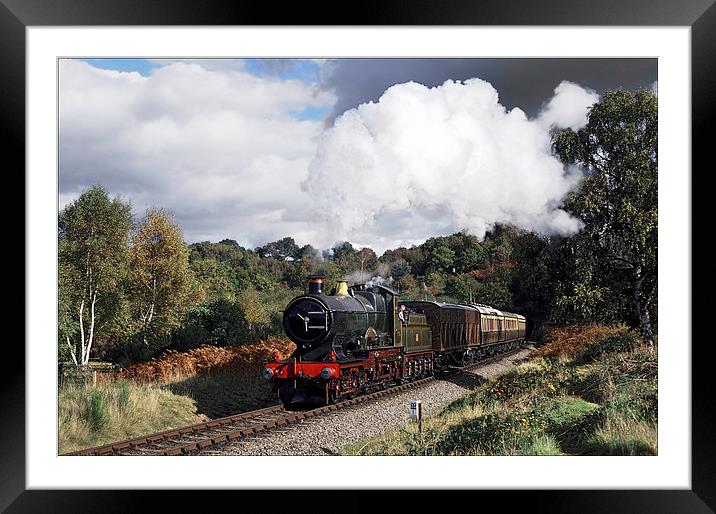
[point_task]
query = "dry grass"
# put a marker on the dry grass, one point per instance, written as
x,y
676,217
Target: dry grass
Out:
x,y
563,343
114,411
622,434
173,366
173,390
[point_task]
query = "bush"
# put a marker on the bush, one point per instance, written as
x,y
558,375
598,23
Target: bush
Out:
x,y
525,387
563,343
494,434
620,342
595,384
97,412
173,365
123,394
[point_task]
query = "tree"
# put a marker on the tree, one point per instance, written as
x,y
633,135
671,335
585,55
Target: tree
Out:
x,y
471,258
342,251
365,259
399,269
214,280
93,256
535,275
67,323
255,312
442,258
159,278
308,252
219,322
461,288
617,200
283,249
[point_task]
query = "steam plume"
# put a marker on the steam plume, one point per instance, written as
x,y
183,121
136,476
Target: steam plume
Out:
x,y
429,161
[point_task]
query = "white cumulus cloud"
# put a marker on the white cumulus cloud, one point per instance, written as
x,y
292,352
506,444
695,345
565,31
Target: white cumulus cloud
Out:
x,y
220,148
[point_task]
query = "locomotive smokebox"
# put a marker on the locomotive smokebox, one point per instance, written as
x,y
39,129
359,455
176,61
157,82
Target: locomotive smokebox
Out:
x,y
315,284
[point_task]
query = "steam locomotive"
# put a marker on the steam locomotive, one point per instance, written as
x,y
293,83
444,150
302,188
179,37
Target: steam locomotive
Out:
x,y
354,341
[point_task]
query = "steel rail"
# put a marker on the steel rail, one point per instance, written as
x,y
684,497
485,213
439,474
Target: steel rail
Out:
x,y
193,438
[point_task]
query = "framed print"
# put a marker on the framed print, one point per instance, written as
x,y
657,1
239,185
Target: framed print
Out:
x,y
42,40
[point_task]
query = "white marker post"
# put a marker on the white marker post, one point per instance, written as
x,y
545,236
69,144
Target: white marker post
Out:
x,y
416,412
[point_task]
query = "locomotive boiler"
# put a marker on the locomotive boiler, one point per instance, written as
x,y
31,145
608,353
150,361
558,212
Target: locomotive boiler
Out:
x,y
346,322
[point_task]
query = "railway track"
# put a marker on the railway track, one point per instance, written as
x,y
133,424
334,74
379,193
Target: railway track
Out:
x,y
191,439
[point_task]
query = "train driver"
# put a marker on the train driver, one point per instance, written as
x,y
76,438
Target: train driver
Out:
x,y
403,314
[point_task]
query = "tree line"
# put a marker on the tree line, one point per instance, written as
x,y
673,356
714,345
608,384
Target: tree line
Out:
x,y
129,289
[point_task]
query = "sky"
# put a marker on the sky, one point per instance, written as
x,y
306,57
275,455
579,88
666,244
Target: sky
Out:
x,y
380,152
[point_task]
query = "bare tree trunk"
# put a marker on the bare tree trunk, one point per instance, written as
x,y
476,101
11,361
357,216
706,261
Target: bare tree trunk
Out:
x,y
642,309
91,333
80,349
147,318
72,351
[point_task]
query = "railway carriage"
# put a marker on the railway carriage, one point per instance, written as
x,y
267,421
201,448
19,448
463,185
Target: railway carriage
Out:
x,y
352,341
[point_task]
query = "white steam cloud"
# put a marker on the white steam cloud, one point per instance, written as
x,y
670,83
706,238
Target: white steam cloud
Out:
x,y
428,161
380,276
569,106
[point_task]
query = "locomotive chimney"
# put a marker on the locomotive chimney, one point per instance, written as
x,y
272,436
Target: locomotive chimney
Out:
x,y
315,284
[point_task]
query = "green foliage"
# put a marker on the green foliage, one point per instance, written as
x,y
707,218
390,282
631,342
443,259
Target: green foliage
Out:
x,y
495,292
617,200
461,287
282,249
342,251
625,341
159,281
93,255
220,323
215,280
545,407
97,411
493,434
410,288
471,258
122,394
435,283
442,258
399,269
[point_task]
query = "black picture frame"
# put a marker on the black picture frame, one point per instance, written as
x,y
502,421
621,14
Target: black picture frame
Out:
x,y
700,15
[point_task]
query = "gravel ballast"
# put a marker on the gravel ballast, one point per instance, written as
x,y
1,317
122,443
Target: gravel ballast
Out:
x,y
327,433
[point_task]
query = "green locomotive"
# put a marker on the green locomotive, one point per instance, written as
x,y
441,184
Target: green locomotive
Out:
x,y
362,338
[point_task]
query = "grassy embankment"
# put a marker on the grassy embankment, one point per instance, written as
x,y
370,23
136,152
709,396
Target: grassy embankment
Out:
x,y
586,391
173,390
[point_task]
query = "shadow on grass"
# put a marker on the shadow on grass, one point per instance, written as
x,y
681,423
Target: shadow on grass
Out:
x,y
464,379
571,434
225,394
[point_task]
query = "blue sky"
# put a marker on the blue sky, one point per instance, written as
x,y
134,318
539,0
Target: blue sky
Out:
x,y
143,66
